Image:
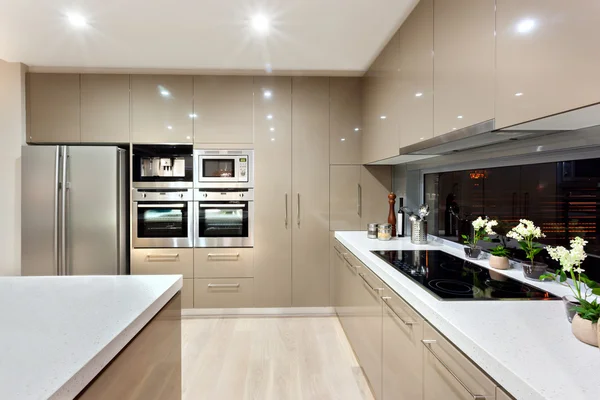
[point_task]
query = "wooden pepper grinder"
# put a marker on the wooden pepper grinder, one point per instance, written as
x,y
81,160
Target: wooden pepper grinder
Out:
x,y
392,213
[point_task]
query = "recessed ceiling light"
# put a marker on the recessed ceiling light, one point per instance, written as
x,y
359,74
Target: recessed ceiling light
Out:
x,y
193,115
418,94
272,129
525,26
460,117
343,139
356,129
519,94
383,117
267,94
77,20
169,127
260,23
270,116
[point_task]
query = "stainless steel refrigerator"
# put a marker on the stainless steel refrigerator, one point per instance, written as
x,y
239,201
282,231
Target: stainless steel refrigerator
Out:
x,y
74,210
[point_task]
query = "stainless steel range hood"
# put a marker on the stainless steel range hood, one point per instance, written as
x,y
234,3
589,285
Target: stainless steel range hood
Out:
x,y
485,134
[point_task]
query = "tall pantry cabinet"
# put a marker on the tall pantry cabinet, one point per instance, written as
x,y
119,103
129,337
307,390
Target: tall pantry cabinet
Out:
x,y
291,130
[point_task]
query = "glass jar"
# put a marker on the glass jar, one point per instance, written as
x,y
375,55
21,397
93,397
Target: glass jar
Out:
x,y
372,231
384,231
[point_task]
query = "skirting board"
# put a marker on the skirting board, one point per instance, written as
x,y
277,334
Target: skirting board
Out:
x,y
257,312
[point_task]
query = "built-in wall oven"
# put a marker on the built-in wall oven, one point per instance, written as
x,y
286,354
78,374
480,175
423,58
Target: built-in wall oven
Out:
x,y
162,166
163,218
224,218
224,168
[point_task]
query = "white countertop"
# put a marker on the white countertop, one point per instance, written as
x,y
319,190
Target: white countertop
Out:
x,y
58,333
525,346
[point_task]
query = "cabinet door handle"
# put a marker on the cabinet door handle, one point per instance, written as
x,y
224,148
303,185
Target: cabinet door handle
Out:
x,y
298,213
348,263
162,257
286,210
359,201
386,301
223,285
368,284
428,345
223,255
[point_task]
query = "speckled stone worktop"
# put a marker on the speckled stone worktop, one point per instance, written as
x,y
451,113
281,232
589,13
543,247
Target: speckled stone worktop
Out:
x,y
525,346
58,333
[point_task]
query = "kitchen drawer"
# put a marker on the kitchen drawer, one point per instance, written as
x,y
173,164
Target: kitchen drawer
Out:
x,y
449,374
224,263
223,293
162,261
187,294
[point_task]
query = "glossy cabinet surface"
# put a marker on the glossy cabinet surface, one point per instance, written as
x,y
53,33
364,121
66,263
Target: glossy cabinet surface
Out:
x,y
53,108
376,184
402,363
415,69
223,292
502,395
223,108
273,193
105,108
546,58
162,109
345,198
187,293
448,374
163,261
224,263
464,63
345,120
310,197
381,105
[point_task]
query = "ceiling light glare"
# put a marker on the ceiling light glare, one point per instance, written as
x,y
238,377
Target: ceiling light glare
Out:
x,y
77,20
260,23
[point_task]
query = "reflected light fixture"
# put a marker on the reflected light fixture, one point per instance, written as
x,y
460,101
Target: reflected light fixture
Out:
x,y
383,117
267,94
460,117
272,129
519,94
272,139
343,139
193,115
418,94
169,127
260,23
77,20
525,26
356,129
164,93
270,116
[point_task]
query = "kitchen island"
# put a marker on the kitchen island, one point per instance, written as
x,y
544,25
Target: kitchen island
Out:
x,y
70,336
526,347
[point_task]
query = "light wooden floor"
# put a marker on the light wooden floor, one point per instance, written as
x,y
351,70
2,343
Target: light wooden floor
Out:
x,y
269,359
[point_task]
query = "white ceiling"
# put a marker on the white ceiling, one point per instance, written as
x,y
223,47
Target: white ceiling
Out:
x,y
342,36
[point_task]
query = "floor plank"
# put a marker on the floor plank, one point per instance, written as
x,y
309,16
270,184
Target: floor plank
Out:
x,y
269,359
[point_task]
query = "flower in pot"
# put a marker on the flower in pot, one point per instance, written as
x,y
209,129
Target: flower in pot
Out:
x,y
583,312
499,257
481,228
525,233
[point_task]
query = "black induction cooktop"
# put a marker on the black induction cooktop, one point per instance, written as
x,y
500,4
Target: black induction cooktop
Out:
x,y
451,278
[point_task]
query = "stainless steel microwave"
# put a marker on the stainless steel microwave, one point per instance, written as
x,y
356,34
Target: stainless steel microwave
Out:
x,y
224,168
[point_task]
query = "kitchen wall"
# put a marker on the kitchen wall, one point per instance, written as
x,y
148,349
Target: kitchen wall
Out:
x,y
12,132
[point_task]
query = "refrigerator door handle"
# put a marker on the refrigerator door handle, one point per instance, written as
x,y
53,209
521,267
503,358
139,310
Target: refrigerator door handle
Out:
x,y
55,250
63,211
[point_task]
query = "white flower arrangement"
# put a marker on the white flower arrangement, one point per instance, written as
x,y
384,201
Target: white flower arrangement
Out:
x,y
570,260
481,227
525,233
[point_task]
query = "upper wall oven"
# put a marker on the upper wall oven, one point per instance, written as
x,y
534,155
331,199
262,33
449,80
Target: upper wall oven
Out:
x,y
224,168
162,166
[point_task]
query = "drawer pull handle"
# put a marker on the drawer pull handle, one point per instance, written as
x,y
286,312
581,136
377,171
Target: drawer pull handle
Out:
x,y
368,284
428,344
348,263
217,255
162,257
386,300
223,285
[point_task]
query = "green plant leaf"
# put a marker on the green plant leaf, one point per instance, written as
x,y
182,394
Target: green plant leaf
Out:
x,y
563,276
596,291
465,237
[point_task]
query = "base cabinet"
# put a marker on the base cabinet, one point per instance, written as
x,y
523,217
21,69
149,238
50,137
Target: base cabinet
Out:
x,y
223,293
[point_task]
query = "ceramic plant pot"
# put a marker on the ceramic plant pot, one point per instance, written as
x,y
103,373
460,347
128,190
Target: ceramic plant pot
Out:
x,y
533,272
570,303
585,330
473,252
499,262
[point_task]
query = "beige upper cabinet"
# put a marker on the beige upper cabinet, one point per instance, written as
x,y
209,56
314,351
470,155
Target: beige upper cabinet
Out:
x,y
310,198
162,109
345,120
547,58
273,193
53,108
381,105
223,106
415,42
104,108
464,63
376,184
345,198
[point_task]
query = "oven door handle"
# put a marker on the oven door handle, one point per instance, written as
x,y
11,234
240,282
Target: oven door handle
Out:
x,y
222,205
177,205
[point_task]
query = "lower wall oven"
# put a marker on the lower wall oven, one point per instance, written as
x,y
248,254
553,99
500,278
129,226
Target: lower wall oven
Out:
x,y
163,218
224,218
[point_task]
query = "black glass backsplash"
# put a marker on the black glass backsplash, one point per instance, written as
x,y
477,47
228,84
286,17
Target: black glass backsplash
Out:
x,y
562,198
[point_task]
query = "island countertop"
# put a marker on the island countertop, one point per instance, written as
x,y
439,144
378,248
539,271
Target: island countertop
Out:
x,y
525,346
58,333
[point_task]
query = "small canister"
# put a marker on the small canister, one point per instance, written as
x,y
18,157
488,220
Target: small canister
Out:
x,y
384,231
372,231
